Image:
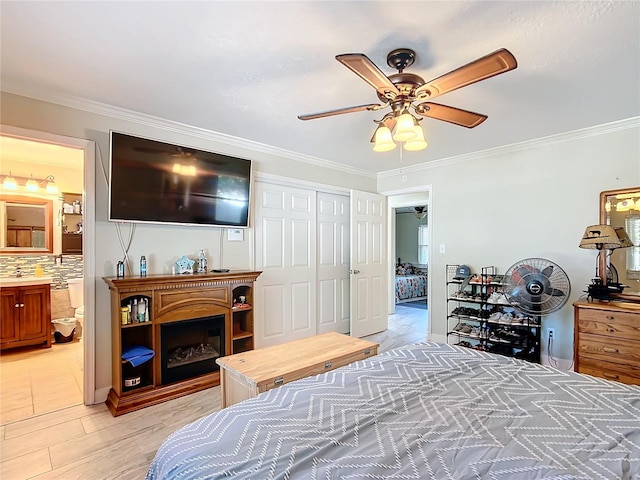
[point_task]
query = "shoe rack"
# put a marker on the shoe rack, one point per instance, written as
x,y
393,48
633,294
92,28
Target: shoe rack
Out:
x,y
480,317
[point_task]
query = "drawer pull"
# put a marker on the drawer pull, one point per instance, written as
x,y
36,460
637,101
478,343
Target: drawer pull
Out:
x,y
367,351
610,350
611,330
610,317
327,364
278,381
610,375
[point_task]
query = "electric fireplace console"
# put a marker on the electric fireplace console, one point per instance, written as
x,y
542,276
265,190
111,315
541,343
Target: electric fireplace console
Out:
x,y
171,329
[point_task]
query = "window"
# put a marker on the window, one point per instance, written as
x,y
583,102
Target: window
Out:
x,y
423,244
632,227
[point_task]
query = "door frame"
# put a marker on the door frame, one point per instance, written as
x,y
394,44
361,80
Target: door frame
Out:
x,y
88,243
403,198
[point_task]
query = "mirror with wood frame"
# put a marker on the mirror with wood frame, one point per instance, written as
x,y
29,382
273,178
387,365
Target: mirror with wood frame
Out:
x,y
26,225
621,208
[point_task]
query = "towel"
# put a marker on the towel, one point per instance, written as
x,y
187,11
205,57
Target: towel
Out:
x,y
137,354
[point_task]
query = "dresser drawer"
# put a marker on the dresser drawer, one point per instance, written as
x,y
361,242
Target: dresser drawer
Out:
x,y
610,371
608,349
622,325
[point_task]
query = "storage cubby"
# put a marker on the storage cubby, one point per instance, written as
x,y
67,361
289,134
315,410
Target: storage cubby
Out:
x,y
242,321
191,320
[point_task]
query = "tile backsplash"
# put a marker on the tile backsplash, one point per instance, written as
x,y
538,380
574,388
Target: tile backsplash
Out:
x,y
70,267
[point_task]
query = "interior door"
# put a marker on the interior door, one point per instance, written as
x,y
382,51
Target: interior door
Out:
x,y
286,255
368,271
333,263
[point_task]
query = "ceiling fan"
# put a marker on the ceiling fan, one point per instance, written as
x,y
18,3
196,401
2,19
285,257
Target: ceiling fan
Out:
x,y
404,91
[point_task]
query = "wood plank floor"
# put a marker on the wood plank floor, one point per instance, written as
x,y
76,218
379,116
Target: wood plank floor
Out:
x,y
86,442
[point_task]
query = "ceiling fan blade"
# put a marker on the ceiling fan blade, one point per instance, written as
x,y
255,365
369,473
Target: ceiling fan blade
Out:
x,y
340,111
454,115
360,64
495,63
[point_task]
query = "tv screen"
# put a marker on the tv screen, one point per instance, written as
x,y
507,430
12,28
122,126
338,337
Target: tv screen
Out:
x,y
157,182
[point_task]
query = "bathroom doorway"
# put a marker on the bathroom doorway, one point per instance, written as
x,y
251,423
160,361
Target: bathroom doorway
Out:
x,y
40,380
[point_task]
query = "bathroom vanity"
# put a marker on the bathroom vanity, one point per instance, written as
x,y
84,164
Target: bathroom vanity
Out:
x,y
25,312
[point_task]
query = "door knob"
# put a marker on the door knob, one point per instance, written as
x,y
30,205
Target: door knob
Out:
x,y
354,271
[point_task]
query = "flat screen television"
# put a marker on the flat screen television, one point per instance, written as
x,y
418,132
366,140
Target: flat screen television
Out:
x,y
158,182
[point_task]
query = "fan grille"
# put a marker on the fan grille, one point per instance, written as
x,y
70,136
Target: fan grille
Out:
x,y
537,286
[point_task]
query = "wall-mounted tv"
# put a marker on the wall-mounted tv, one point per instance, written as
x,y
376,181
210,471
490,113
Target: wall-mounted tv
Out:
x,y
158,182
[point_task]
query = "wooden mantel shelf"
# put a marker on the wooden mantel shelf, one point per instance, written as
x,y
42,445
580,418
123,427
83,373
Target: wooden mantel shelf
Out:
x,y
174,298
180,281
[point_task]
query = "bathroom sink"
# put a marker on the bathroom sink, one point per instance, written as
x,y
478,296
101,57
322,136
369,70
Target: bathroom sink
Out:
x,y
22,281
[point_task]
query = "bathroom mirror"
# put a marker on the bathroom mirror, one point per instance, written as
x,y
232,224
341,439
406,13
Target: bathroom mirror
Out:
x,y
621,208
26,225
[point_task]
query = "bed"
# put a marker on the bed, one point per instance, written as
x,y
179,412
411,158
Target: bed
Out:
x,y
411,284
410,288
425,411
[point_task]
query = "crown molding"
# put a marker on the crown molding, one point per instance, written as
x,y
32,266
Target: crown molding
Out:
x,y
99,108
606,128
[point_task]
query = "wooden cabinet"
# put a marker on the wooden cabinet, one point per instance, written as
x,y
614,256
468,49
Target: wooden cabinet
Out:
x,y
26,316
176,305
607,340
72,223
246,374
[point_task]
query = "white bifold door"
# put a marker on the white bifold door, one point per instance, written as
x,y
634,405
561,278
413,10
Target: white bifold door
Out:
x,y
313,258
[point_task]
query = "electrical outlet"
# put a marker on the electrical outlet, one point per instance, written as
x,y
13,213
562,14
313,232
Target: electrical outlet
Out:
x,y
551,333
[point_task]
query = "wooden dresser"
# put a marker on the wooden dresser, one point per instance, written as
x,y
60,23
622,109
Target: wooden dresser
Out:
x,y
607,340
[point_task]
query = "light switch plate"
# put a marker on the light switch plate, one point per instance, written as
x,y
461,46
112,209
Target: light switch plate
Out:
x,y
235,235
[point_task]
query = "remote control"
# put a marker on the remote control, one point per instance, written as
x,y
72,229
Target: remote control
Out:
x,y
220,270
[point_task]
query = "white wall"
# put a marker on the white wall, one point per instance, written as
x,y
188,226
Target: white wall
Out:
x,y
407,237
161,244
530,200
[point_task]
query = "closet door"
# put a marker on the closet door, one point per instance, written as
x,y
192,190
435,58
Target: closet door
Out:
x,y
333,263
285,222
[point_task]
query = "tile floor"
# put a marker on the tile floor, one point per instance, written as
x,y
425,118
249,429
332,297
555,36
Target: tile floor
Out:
x,y
86,442
35,381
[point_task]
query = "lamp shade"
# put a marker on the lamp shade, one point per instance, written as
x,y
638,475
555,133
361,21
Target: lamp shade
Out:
x,y
600,237
625,241
32,185
404,128
10,182
383,142
52,187
418,143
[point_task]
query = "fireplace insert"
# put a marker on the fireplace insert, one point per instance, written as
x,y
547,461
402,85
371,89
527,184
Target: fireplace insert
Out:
x,y
189,348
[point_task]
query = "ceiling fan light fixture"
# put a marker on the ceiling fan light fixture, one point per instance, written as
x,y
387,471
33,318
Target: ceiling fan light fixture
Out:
x,y
418,143
405,128
384,142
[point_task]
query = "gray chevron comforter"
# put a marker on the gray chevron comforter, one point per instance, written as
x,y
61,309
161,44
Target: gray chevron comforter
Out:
x,y
426,411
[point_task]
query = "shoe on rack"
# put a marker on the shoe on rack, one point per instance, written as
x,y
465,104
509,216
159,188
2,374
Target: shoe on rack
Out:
x,y
466,329
502,300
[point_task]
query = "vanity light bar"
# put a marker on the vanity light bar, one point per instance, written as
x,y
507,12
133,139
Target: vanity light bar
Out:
x,y
31,183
